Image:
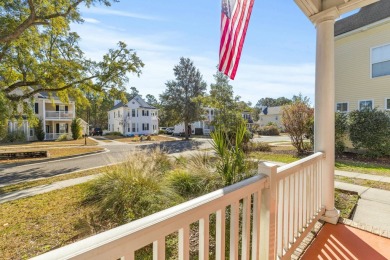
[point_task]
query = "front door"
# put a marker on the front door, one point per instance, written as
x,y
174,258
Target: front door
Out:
x,y
47,129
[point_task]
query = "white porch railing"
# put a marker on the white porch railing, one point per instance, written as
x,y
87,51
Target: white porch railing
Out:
x,y
58,115
269,216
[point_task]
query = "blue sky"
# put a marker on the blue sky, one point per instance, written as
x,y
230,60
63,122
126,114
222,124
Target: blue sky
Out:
x,y
277,60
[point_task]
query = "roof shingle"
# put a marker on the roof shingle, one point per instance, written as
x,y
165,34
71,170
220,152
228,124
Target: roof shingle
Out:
x,y
367,15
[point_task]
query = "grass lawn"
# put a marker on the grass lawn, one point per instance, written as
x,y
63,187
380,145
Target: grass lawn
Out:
x,y
31,226
345,202
363,167
54,153
30,184
285,155
276,157
365,183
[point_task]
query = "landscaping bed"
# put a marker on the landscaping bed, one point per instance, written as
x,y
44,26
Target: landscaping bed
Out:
x,y
55,153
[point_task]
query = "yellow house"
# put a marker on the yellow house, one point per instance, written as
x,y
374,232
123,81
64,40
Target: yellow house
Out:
x,y
362,59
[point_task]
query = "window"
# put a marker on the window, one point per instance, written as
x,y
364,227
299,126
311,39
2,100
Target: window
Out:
x,y
36,108
212,112
342,107
380,61
145,127
114,114
128,113
109,127
32,130
133,112
133,127
365,104
387,104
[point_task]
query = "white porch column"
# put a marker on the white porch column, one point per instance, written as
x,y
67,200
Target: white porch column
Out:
x,y
324,131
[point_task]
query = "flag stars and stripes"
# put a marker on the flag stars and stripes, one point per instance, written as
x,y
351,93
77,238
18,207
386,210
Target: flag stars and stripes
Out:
x,y
234,24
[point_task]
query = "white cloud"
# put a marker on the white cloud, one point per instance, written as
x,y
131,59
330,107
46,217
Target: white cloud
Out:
x,y
91,20
158,51
110,11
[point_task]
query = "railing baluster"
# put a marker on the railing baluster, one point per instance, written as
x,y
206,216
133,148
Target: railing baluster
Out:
x,y
204,238
286,207
184,243
296,203
280,219
234,221
292,211
159,249
256,226
300,223
313,200
246,225
220,234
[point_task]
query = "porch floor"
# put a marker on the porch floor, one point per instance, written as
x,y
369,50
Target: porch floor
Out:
x,y
345,242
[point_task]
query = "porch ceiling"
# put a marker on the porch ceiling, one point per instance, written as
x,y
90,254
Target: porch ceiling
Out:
x,y
314,9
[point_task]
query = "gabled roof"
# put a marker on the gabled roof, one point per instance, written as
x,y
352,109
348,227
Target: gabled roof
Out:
x,y
137,98
367,15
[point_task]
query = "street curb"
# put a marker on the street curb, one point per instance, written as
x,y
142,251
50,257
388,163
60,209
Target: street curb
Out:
x,y
11,165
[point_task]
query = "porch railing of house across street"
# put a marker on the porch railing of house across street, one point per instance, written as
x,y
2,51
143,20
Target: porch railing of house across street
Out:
x,y
59,115
54,136
266,217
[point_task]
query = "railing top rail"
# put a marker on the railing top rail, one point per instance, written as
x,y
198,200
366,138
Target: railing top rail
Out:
x,y
300,164
162,220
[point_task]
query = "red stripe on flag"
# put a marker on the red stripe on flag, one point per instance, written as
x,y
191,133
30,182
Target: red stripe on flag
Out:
x,y
233,74
226,38
235,38
233,32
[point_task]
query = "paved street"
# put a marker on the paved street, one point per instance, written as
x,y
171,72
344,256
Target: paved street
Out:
x,y
117,152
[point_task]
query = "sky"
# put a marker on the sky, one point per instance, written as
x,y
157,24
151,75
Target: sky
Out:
x,y
278,58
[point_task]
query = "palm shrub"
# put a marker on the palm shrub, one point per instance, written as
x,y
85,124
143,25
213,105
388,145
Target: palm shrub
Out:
x,y
131,190
76,129
231,163
370,130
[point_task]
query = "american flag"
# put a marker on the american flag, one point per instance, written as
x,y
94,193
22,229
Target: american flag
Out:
x,y
234,23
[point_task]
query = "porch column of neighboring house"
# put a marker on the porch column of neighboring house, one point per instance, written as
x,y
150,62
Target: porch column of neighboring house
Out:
x,y
324,130
44,118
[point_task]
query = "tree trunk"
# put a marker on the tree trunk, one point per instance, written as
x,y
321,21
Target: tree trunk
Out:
x,y
186,130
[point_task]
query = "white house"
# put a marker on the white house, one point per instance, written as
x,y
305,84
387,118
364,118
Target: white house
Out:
x,y
271,115
135,117
202,127
56,116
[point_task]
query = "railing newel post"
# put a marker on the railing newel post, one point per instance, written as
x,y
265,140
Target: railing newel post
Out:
x,y
268,212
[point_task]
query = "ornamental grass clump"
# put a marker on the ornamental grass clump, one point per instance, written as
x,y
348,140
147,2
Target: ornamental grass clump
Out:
x,y
132,190
196,177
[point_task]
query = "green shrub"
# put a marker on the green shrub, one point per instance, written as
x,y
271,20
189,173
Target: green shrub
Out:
x,y
131,190
63,137
370,130
16,136
76,129
341,128
257,147
38,130
269,130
